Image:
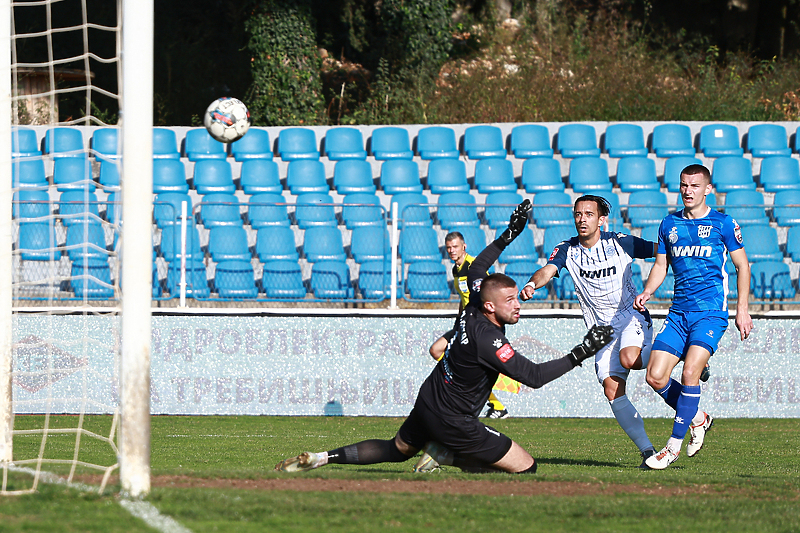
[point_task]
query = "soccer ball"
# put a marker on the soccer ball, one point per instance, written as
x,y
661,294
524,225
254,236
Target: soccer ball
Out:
x,y
227,119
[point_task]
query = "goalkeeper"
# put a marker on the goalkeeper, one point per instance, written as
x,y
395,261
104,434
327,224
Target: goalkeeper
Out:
x,y
444,420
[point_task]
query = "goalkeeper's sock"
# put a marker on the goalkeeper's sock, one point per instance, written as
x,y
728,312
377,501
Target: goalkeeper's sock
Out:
x,y
367,452
631,422
496,404
687,408
671,393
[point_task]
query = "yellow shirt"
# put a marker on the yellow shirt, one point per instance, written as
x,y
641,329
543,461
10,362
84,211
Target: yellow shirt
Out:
x,y
460,279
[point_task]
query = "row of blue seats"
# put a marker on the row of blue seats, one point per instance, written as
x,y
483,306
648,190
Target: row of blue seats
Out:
x,y
433,142
402,176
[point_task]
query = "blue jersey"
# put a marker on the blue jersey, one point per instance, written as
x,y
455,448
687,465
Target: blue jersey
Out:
x,y
697,250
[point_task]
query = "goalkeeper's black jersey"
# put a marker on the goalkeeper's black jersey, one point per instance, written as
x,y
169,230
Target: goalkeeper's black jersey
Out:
x,y
479,351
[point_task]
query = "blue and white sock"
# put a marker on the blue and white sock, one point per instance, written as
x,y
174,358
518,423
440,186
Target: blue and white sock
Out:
x,y
671,393
686,410
631,422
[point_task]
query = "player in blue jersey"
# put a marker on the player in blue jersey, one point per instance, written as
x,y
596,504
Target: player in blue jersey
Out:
x,y
600,264
695,241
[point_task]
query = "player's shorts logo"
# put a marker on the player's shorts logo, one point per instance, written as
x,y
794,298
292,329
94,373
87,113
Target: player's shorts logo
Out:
x,y
505,352
703,231
673,235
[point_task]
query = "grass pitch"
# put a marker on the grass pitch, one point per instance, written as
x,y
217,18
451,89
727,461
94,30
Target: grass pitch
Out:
x,y
215,474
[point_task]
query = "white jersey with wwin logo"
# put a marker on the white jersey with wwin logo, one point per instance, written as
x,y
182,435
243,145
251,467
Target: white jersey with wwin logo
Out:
x,y
602,273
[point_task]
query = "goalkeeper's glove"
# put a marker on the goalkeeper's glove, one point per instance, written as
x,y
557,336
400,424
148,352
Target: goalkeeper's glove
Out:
x,y
517,222
596,338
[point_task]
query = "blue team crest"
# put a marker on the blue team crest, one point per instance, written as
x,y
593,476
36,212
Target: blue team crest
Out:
x,y
673,235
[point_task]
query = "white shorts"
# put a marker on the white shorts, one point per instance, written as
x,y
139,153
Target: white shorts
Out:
x,y
629,330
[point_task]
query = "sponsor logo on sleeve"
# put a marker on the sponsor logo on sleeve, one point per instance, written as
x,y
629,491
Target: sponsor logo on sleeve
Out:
x,y
737,232
476,285
553,254
505,352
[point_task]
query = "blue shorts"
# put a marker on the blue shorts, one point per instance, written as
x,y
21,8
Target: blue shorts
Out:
x,y
699,328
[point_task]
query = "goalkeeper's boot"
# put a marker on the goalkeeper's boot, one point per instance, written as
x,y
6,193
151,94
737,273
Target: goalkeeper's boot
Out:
x,y
301,463
698,435
433,456
492,412
662,459
646,455
426,464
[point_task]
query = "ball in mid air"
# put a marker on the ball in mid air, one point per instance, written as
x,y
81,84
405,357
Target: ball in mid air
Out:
x,y
227,119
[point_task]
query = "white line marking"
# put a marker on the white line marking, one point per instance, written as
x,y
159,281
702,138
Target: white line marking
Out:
x,y
150,515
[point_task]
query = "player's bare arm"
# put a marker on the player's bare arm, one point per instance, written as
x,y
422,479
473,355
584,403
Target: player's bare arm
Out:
x,y
743,321
537,281
657,275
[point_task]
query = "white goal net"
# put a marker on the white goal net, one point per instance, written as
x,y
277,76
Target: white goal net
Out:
x,y
75,389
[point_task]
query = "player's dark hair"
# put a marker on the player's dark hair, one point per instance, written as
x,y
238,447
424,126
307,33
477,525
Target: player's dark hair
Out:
x,y
603,207
493,282
453,235
692,170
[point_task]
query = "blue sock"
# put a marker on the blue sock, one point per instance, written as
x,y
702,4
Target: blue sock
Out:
x,y
671,393
631,422
687,407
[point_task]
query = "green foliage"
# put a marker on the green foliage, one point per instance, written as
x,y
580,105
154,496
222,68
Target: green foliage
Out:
x,y
286,89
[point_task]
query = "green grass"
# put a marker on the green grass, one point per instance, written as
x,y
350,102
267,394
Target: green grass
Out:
x,y
747,479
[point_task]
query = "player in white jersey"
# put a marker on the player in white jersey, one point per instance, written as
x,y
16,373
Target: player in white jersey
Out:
x,y
600,264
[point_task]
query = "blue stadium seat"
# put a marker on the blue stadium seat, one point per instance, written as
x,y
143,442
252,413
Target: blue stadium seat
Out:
x,y
283,280
400,176
711,201
86,240
28,174
499,206
731,173
564,286
91,278
521,249
64,142
419,243
650,233
427,281
38,242
390,142
746,207
170,246
344,143
555,235
673,168
297,143
761,243
577,140
199,145
259,176
228,243
589,174
265,210
109,175
484,142
409,212
666,291
552,208
615,221
78,206
797,140
362,209
720,140
374,278
323,243
331,280
235,279
306,176
24,143
768,140
437,142
786,207
647,207
625,140
220,209
196,280
793,243
673,140
521,272
530,140
73,173
494,175
541,174
169,175
370,243
104,144
30,204
474,238
637,174
636,277
253,146
457,209
353,176
447,175
780,173
167,208
771,280
165,144
213,176
733,289
314,209
276,244
113,212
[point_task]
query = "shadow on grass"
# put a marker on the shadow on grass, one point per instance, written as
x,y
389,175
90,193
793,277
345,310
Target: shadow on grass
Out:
x,y
573,462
